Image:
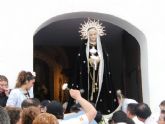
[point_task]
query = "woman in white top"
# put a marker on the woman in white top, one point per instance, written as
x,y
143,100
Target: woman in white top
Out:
x,y
25,81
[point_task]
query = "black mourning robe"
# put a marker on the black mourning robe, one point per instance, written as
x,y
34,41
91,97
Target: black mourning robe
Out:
x,y
107,100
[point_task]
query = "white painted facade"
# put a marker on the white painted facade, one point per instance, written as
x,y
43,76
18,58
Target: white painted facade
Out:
x,y
20,19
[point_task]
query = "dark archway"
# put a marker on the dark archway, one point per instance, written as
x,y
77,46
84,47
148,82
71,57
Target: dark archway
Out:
x,y
42,79
61,32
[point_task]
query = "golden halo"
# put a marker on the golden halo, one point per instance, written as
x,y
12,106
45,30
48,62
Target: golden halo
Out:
x,y
89,24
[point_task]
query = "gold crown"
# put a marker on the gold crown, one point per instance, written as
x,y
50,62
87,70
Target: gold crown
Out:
x,y
89,24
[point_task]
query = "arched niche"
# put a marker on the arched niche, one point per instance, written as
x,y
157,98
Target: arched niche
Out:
x,y
126,44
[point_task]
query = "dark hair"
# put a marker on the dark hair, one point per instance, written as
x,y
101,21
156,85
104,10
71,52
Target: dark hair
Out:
x,y
56,109
98,117
132,108
14,114
120,116
75,108
45,102
143,110
162,103
3,78
162,111
30,102
130,121
23,76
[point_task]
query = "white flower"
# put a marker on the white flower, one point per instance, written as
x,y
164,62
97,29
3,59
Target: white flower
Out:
x,y
64,86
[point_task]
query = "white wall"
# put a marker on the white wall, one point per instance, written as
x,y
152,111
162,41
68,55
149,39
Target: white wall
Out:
x,y
19,19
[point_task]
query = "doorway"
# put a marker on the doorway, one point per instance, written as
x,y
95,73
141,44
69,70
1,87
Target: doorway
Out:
x,y
57,42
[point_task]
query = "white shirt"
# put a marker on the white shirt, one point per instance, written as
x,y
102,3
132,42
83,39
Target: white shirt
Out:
x,y
82,119
75,115
16,98
150,120
136,120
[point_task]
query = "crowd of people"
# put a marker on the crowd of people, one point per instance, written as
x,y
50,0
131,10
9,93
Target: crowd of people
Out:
x,y
18,107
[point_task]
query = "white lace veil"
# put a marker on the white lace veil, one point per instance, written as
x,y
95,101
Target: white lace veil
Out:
x,y
101,65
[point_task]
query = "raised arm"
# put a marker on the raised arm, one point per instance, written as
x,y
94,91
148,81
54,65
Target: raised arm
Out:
x,y
88,108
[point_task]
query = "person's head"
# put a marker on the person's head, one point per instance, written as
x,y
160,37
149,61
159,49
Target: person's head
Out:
x,y
45,118
56,109
4,117
162,106
161,119
3,83
29,114
44,105
131,110
120,117
92,33
30,102
14,114
143,111
25,79
99,117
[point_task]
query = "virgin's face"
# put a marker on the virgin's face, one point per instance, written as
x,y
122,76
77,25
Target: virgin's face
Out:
x,y
92,35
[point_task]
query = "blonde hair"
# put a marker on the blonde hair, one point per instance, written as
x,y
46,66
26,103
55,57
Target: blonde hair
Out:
x,y
45,118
